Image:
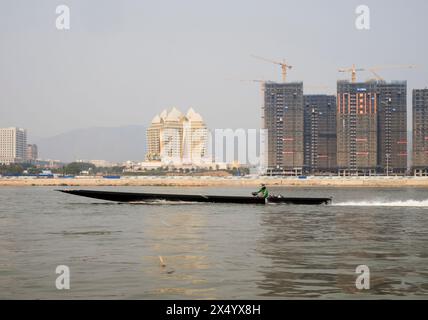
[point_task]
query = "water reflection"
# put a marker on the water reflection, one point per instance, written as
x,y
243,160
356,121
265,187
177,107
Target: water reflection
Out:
x,y
300,265
178,253
213,251
7,251
314,254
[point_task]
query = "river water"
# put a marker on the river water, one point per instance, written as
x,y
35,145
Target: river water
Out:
x,y
114,251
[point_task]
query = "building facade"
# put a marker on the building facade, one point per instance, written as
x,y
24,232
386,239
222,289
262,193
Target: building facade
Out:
x,y
420,132
195,138
357,127
171,137
13,145
283,117
392,127
320,139
174,138
32,153
153,139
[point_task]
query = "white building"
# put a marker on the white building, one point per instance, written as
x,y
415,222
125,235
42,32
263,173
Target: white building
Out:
x,y
174,138
103,163
171,137
195,137
13,145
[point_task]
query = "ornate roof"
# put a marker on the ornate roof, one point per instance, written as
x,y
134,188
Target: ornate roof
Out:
x,y
163,114
193,116
156,120
174,115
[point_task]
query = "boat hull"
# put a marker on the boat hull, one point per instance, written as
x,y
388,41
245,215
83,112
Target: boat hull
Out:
x,y
150,197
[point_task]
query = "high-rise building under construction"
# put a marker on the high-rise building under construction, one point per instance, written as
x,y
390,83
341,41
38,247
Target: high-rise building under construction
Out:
x,y
320,139
392,127
372,127
283,118
420,131
357,110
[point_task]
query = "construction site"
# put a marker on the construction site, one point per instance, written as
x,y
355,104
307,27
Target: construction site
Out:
x,y
360,131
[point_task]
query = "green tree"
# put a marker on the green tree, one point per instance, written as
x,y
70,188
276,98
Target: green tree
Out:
x,y
75,168
34,170
11,169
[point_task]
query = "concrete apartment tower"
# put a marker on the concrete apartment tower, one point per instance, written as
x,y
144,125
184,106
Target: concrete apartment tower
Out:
x,y
32,152
283,119
320,150
392,127
357,127
420,132
372,127
13,145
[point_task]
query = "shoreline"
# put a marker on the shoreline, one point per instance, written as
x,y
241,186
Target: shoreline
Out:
x,y
180,181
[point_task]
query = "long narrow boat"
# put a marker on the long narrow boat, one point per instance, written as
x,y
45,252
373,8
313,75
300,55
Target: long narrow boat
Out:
x,y
150,197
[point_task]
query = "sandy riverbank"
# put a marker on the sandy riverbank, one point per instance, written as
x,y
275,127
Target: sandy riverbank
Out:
x,y
228,181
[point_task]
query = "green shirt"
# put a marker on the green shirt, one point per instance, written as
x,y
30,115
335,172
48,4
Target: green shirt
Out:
x,y
264,191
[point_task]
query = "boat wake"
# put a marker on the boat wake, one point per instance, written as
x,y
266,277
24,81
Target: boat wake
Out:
x,y
383,203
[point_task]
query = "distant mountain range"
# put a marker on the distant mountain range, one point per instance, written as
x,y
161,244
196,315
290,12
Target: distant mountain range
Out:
x,y
97,143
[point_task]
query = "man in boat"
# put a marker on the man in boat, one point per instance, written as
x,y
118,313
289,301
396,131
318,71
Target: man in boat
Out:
x,y
263,192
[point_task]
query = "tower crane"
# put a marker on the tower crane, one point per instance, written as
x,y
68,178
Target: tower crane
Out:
x,y
253,80
284,66
377,68
353,70
261,81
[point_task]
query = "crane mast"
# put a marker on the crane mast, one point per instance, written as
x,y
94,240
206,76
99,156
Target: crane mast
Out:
x,y
283,64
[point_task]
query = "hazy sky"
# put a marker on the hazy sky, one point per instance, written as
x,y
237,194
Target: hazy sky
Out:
x,y
124,61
